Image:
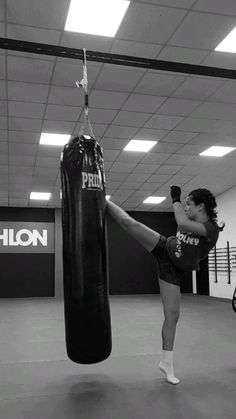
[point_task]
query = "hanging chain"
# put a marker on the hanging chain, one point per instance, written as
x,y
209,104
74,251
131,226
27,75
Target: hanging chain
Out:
x,y
84,83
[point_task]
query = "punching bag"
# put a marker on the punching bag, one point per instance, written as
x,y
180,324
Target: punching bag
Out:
x,y
234,300
85,271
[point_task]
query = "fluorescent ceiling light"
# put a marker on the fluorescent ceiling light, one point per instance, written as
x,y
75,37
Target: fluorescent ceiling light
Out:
x,y
154,200
54,139
96,17
217,151
40,196
229,43
138,145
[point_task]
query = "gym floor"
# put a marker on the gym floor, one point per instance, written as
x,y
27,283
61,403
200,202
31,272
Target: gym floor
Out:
x,y
37,380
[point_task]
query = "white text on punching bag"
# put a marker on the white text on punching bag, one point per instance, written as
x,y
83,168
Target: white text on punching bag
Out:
x,y
9,238
91,180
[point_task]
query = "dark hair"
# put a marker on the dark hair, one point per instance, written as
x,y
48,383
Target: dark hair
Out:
x,y
205,196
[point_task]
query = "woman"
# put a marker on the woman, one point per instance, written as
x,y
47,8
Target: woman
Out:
x,y
197,234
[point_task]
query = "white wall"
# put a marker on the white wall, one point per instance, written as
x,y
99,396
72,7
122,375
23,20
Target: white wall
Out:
x,y
226,207
58,255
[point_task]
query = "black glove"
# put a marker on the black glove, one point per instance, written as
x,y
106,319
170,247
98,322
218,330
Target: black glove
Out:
x,y
175,193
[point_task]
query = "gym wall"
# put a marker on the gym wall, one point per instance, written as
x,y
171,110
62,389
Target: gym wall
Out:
x,y
132,270
27,253
37,271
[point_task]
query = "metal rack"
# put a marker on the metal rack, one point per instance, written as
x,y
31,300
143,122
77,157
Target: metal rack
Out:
x,y
222,259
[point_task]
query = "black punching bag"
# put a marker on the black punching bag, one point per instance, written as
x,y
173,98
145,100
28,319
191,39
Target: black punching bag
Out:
x,y
85,272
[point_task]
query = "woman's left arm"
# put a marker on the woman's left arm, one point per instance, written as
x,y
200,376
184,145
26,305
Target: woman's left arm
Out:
x,y
185,223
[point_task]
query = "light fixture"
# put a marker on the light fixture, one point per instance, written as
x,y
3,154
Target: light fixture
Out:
x,y
96,17
154,200
229,43
217,151
41,196
138,145
54,139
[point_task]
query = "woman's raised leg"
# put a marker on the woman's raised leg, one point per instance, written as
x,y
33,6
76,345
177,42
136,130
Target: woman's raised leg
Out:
x,y
147,237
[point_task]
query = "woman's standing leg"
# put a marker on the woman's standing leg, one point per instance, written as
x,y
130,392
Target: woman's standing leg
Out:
x,y
170,295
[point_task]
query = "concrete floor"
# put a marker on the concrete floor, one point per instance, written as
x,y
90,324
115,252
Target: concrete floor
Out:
x,y
37,381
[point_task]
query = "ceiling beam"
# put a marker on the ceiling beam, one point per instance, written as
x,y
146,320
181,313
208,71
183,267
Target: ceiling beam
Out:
x,y
125,60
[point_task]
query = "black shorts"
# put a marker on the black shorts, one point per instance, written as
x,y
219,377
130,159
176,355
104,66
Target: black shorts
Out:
x,y
167,270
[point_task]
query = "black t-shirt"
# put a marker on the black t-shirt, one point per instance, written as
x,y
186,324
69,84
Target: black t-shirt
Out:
x,y
187,249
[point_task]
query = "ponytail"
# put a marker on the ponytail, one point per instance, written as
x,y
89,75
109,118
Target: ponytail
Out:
x,y
221,225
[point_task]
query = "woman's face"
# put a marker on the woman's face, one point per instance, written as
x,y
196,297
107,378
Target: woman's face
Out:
x,y
191,209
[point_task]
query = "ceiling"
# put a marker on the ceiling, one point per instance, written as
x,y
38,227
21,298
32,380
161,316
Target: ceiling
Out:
x,y
185,113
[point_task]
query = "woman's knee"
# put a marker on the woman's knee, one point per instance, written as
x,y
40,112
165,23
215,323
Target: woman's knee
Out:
x,y
172,315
